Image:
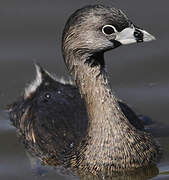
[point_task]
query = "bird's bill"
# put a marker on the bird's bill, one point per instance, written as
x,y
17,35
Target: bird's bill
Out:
x,y
132,35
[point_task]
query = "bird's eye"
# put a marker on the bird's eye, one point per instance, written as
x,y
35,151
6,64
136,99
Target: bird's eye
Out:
x,y
108,29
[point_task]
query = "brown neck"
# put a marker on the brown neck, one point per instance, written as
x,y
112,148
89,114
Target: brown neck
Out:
x,y
102,107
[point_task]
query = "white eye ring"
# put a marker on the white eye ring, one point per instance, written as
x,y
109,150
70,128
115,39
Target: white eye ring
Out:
x,y
108,29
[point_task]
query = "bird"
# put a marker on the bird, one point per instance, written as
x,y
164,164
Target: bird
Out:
x,y
83,125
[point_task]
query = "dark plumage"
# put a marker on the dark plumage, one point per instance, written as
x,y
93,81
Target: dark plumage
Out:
x,y
96,133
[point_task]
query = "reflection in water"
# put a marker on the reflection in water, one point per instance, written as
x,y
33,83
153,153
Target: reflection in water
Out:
x,y
140,174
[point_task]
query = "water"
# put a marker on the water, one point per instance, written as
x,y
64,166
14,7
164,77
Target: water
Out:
x,y
31,30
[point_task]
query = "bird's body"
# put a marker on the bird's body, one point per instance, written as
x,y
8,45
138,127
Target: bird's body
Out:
x,y
86,127
59,113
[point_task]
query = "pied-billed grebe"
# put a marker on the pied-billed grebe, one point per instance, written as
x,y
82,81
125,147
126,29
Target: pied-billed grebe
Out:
x,y
109,141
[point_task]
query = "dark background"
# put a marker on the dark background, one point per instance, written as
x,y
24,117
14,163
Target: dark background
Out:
x,y
31,30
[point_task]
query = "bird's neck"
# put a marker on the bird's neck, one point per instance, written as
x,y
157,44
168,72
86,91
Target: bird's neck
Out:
x,y
93,83
105,115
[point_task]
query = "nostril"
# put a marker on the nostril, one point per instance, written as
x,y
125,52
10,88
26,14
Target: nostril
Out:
x,y
138,35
